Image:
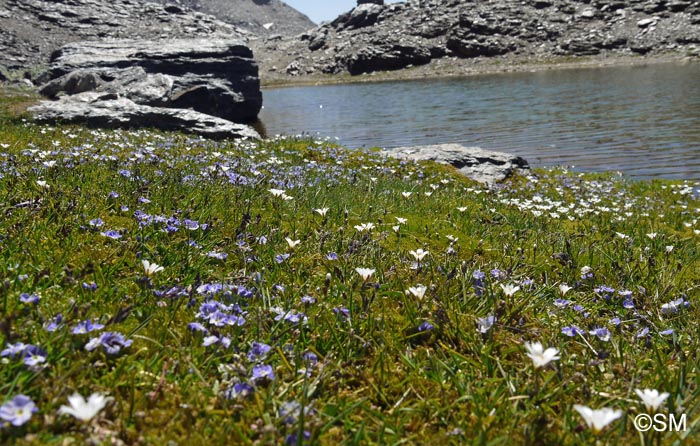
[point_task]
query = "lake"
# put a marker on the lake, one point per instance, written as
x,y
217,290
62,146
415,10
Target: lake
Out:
x,y
643,120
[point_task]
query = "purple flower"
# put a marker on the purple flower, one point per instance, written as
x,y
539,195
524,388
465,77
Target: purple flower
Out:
x,y
96,222
239,390
192,225
196,326
308,300
478,277
225,341
332,256
604,291
625,294
425,326
674,306
112,342
29,298
144,200
262,372
217,255
92,286
86,327
601,333
562,303
643,332
311,359
114,235
572,331
498,274
292,439
342,312
18,410
667,332
628,304
113,195
258,351
13,350
34,356
279,258
615,321
55,323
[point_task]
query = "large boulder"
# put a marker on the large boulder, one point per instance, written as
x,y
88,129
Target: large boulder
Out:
x,y
480,165
197,85
108,110
387,57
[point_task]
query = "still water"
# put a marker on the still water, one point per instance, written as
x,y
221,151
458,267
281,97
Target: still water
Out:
x,y
643,121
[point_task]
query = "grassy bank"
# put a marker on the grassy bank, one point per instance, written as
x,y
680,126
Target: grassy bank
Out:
x,y
260,329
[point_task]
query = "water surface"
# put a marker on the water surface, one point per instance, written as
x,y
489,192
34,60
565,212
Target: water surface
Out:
x,y
643,121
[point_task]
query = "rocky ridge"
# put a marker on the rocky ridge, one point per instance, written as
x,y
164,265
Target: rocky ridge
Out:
x,y
259,17
374,37
30,30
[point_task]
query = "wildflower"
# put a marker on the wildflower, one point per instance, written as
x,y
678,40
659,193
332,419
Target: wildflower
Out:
x,y
258,351
419,254
84,410
406,194
322,211
308,300
652,399
667,332
564,288
280,258
674,306
14,349
510,289
365,273
114,235
262,372
561,303
417,291
86,327
402,221
484,324
540,357
598,419
425,326
96,222
239,390
652,235
18,410
34,356
462,209
601,333
586,272
277,192
292,243
112,342
42,183
151,268
364,227
332,256
29,298
55,323
217,255
669,249
396,228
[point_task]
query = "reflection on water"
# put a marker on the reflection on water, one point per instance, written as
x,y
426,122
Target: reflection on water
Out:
x,y
644,121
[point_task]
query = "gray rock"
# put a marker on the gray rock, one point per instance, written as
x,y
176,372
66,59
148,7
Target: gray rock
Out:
x,y
480,165
213,76
111,111
646,22
3,74
382,58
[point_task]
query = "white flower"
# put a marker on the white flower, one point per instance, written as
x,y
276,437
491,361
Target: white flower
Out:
x,y
652,399
598,419
462,209
84,410
151,268
292,243
365,273
652,235
364,227
419,254
564,288
406,194
510,289
540,357
396,228
277,192
322,211
42,183
669,249
418,291
402,221
622,236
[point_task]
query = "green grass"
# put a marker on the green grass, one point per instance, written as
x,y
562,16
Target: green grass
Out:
x,y
377,378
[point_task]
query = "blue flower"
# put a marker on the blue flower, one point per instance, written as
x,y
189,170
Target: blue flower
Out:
x,y
258,351
29,298
112,342
239,390
18,410
55,323
96,222
13,350
601,333
425,326
572,331
86,327
114,235
332,256
667,332
34,356
91,286
263,372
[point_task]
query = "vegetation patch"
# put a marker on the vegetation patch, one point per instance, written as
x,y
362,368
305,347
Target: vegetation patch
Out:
x,y
160,289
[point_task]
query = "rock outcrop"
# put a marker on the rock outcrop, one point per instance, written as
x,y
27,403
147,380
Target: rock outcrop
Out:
x,y
259,17
198,85
480,165
376,37
30,30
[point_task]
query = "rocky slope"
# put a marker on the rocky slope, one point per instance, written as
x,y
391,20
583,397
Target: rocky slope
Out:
x,y
374,38
260,17
30,30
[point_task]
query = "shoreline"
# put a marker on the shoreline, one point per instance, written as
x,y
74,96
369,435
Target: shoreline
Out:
x,y
459,68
